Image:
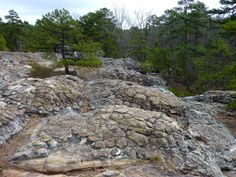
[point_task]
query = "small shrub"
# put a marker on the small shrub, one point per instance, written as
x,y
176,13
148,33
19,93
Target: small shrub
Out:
x,y
180,92
157,159
90,62
232,84
231,106
40,71
147,66
91,49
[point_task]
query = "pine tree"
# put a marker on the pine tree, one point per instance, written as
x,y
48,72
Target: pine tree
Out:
x,y
59,28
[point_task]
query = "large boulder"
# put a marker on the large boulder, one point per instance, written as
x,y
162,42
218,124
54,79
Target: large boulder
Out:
x,y
121,63
44,96
37,96
217,96
114,135
103,92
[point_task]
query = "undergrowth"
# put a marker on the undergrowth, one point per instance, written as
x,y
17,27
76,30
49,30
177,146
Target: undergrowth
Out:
x,y
231,106
40,71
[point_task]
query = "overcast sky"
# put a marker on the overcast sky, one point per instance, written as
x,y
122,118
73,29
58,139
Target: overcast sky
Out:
x,y
30,10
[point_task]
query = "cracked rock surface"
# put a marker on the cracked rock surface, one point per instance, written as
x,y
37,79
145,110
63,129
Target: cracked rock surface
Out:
x,y
113,133
113,117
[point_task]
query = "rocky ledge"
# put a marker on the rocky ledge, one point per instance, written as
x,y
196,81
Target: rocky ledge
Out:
x,y
114,120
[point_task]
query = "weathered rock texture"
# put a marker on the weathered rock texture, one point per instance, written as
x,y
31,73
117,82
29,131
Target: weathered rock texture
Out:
x,y
125,70
37,96
44,96
115,116
216,96
114,132
11,121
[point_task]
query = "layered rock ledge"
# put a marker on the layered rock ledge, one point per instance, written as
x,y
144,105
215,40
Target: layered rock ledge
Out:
x,y
113,116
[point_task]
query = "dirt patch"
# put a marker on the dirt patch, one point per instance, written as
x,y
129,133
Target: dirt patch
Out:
x,y
229,121
230,174
15,142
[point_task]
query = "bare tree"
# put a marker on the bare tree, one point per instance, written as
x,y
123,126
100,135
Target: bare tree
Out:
x,y
138,18
141,18
121,15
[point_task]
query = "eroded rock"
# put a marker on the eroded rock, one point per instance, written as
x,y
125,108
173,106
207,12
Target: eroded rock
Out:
x,y
217,96
143,137
11,121
114,116
44,96
106,91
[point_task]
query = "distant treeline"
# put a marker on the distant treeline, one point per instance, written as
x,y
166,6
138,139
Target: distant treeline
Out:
x,y
192,47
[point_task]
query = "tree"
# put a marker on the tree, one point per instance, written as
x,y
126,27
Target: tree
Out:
x,y
211,63
14,31
137,44
121,16
228,7
100,26
187,46
13,17
59,28
141,18
30,37
229,31
184,8
152,30
228,10
3,43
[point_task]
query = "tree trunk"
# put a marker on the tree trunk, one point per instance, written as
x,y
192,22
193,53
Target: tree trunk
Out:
x,y
67,69
63,52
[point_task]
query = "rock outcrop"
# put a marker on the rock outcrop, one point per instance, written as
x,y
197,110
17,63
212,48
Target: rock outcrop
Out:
x,y
11,121
44,96
215,96
112,134
28,96
114,116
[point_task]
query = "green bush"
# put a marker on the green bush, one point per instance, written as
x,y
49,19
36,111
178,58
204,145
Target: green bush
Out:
x,y
231,106
158,60
180,92
3,43
232,84
91,49
40,71
148,66
229,74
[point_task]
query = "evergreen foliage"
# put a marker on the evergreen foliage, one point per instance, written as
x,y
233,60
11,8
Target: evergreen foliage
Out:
x,y
3,43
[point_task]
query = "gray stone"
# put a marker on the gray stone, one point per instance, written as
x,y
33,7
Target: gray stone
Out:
x,y
113,116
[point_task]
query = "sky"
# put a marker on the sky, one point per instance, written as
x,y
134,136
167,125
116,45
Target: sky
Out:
x,y
31,10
